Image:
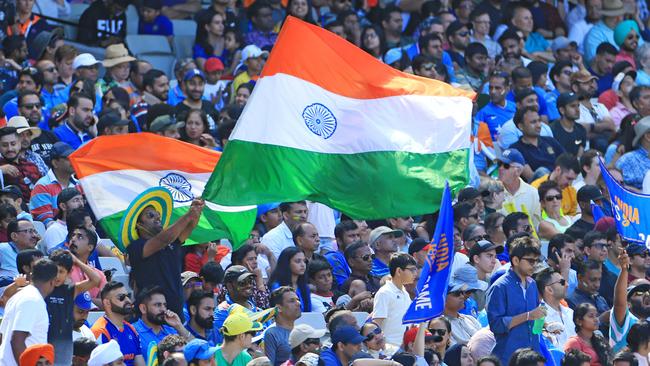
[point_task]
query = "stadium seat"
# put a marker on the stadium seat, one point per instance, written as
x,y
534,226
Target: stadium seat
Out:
x,y
93,316
109,263
40,228
132,20
184,27
148,44
183,46
164,63
315,320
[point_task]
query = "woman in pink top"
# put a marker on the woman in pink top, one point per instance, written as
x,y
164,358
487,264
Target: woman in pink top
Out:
x,y
585,317
82,243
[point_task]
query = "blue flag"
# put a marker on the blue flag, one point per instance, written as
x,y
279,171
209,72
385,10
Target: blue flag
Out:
x,y
596,211
631,210
432,286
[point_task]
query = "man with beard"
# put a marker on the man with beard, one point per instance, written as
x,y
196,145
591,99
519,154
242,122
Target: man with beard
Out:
x,y
113,325
239,283
511,50
16,170
75,131
193,88
594,116
28,107
631,304
155,254
26,133
157,321
201,322
156,87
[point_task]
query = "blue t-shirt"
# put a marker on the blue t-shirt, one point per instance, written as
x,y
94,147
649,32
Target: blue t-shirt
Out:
x,y
147,336
379,269
128,338
161,26
495,116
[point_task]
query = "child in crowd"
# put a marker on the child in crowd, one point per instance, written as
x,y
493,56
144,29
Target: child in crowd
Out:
x,y
12,196
214,86
7,215
152,21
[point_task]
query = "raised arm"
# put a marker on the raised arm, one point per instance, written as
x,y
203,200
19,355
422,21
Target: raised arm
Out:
x,y
620,289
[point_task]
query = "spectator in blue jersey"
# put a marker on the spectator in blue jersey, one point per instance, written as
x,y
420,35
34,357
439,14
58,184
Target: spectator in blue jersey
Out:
x,y
276,338
499,110
201,322
601,66
114,326
560,76
513,301
239,284
75,131
346,232
382,241
152,21
631,303
522,79
509,132
156,321
539,151
290,271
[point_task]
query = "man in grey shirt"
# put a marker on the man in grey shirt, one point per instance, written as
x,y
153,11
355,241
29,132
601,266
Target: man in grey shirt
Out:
x,y
276,337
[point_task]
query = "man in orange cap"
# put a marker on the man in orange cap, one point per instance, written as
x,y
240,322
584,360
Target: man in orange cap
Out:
x,y
38,355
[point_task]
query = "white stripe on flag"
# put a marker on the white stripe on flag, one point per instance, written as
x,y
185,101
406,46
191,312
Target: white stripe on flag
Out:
x,y
409,123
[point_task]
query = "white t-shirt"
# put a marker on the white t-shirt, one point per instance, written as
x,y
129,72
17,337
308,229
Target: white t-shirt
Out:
x,y
84,332
600,112
390,304
55,235
278,238
26,312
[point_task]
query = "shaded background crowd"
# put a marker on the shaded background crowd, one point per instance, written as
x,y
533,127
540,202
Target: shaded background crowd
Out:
x,y
536,278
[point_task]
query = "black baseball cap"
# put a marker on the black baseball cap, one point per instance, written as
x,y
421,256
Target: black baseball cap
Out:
x,y
566,98
236,273
110,119
483,246
589,192
417,245
61,150
11,190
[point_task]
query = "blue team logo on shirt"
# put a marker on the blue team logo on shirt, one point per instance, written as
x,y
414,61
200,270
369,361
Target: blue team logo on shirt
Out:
x,y
320,120
179,186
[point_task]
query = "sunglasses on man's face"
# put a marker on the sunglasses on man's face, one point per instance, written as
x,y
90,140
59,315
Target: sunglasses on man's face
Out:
x,y
122,297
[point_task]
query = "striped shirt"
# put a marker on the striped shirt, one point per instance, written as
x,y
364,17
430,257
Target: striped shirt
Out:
x,y
43,202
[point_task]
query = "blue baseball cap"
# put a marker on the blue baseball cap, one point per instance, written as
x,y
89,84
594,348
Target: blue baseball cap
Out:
x,y
193,73
198,349
393,55
83,301
347,334
266,207
509,156
61,150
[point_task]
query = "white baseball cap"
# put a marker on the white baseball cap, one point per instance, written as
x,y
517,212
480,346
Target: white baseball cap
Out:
x,y
303,332
252,51
84,60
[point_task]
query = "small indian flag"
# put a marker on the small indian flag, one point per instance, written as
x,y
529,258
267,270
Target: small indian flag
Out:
x,y
114,171
330,123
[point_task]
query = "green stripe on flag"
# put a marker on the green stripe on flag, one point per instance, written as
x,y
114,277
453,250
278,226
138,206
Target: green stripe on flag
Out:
x,y
372,185
213,225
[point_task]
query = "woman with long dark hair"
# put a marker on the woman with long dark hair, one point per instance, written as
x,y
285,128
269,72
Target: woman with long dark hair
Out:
x,y
373,41
586,340
210,40
290,271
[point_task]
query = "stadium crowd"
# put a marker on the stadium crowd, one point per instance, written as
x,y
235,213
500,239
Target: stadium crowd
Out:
x,y
536,278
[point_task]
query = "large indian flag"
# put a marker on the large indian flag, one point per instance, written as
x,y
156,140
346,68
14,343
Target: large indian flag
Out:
x,y
330,123
114,170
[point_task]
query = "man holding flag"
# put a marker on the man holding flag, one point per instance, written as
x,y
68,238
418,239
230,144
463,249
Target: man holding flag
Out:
x,y
513,302
155,253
